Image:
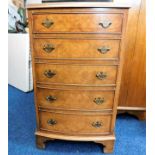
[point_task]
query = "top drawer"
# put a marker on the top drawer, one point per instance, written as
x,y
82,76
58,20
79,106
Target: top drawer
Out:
x,y
77,23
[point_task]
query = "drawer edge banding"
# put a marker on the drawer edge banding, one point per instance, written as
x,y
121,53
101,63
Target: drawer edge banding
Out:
x,y
109,111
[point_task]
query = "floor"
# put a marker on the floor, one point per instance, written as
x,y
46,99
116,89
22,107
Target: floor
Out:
x,y
130,132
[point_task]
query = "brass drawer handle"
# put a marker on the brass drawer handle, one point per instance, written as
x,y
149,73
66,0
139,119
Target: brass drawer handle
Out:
x,y
105,24
103,49
99,100
97,124
52,122
49,73
47,23
51,98
48,48
101,75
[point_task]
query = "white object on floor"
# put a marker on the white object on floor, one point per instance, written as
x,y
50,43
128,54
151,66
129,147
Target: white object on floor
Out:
x,y
19,62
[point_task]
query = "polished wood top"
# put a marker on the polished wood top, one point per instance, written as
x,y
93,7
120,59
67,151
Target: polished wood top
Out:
x,y
79,5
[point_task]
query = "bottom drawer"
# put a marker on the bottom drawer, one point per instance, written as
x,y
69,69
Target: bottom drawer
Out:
x,y
77,123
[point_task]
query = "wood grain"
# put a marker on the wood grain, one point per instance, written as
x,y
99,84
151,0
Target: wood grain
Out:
x,y
77,71
82,100
133,93
76,74
75,23
137,97
33,66
86,138
75,124
76,48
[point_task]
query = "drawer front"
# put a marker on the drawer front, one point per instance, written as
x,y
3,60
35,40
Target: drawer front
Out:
x,y
75,99
75,123
76,48
76,23
75,74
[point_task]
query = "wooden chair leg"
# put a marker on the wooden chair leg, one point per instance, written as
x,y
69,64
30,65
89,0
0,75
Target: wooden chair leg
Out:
x,y
108,145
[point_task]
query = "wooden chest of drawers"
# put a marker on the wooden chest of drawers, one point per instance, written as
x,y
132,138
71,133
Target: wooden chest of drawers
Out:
x,y
77,51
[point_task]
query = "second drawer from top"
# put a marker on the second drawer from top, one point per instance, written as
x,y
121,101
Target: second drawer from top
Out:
x,y
80,48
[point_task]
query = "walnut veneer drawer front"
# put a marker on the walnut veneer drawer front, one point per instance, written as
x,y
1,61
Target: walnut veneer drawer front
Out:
x,y
75,123
76,74
76,48
75,23
75,99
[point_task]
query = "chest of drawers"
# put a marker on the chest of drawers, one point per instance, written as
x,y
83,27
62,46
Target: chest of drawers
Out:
x,y
77,53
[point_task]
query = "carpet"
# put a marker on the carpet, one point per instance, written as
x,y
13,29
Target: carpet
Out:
x,y
130,132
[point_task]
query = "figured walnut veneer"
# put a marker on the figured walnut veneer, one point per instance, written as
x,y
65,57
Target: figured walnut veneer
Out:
x,y
77,56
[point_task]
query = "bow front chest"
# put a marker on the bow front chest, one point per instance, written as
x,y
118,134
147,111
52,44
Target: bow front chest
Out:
x,y
77,55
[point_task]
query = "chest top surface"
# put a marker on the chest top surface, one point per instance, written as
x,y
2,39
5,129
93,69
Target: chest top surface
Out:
x,y
79,5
